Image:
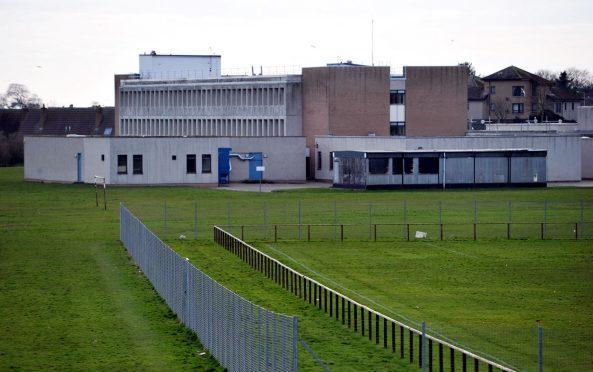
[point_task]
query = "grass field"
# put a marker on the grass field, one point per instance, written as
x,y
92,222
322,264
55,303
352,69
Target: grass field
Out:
x,y
71,299
486,296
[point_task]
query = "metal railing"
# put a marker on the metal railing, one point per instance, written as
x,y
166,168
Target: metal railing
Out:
x,y
379,328
239,334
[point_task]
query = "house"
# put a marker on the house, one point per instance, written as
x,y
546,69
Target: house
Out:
x,y
515,95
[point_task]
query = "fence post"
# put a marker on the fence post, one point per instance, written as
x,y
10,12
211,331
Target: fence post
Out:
x,y
228,214
299,217
582,217
185,290
196,220
370,219
406,219
540,344
509,233
165,221
295,342
335,221
576,231
423,355
265,227
545,218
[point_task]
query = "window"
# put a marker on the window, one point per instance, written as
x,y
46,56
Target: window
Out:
x,y
397,97
519,91
190,163
493,106
137,164
493,89
409,165
103,155
397,128
122,164
378,165
517,108
206,163
565,105
428,165
573,105
533,108
331,161
318,160
398,166
174,157
558,107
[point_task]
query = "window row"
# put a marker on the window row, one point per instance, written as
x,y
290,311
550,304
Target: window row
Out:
x,y
397,97
219,97
426,165
203,127
137,163
517,90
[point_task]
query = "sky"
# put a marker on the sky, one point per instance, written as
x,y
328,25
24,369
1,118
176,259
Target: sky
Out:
x,y
67,51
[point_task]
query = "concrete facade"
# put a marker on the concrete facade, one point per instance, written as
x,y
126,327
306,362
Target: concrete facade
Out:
x,y
563,159
230,106
436,100
585,119
163,160
175,66
344,101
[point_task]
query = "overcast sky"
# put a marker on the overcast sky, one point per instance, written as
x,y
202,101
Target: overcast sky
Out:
x,y
67,51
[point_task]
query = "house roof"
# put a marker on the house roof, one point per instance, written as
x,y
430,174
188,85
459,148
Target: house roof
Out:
x,y
516,73
59,121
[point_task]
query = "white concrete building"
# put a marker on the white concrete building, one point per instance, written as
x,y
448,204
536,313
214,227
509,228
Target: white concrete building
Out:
x,y
154,160
176,66
262,106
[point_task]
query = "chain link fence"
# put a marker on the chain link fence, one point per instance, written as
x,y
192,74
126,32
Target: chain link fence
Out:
x,y
360,220
239,334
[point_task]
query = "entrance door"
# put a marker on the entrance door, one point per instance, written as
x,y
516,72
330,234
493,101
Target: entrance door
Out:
x,y
254,162
79,167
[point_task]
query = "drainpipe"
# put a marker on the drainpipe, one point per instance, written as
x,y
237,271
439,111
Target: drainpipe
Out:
x,y
444,169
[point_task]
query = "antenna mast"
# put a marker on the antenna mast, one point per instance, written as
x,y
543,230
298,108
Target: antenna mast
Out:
x,y
372,42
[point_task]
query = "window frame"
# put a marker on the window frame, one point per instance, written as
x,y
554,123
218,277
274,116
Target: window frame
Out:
x,y
518,91
427,165
191,164
137,164
121,163
206,159
520,108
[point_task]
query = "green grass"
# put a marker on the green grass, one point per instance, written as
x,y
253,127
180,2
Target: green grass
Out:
x,y
71,299
486,296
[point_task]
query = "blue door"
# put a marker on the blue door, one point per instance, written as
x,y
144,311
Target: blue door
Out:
x,y
254,162
79,167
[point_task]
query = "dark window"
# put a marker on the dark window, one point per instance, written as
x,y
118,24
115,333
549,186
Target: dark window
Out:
x,y
409,165
137,164
398,166
493,106
319,160
190,164
573,105
331,161
517,108
397,97
428,165
565,105
378,165
558,107
493,89
122,164
397,128
533,107
519,91
174,157
103,155
206,163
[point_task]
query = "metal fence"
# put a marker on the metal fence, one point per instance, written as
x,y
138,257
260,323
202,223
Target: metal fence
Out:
x,y
419,347
239,334
459,219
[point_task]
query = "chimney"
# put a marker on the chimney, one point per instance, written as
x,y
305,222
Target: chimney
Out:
x,y
42,118
98,118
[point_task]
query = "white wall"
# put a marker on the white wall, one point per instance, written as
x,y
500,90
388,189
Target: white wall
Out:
x,y
397,113
585,118
587,158
563,160
179,66
52,158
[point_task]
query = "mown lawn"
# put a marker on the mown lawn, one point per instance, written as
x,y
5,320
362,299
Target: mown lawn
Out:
x,y
71,298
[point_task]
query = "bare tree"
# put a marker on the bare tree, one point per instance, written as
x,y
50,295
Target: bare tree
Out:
x,y
501,107
3,101
547,74
18,96
470,66
579,79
